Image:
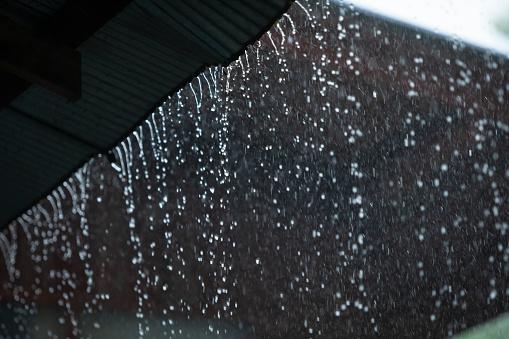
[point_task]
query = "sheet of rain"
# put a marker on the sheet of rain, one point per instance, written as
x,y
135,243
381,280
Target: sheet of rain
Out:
x,y
345,177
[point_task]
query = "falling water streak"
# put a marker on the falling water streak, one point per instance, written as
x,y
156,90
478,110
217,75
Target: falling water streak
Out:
x,y
131,153
116,168
128,163
13,250
69,185
179,99
36,216
142,137
129,189
83,176
135,240
25,228
5,247
239,62
127,160
80,176
44,212
198,122
228,73
247,59
152,139
283,40
214,79
28,216
138,139
142,152
223,175
291,23
258,46
59,204
201,90
208,84
195,98
28,232
305,10
164,130
54,206
223,133
61,191
273,44
157,135
121,158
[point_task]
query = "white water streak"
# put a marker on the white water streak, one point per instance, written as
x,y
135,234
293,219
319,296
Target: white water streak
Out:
x,y
247,59
282,35
239,62
121,159
201,90
305,10
138,139
72,191
291,23
44,212
157,133
61,191
25,228
13,249
198,105
152,140
214,79
5,246
59,204
208,84
54,206
273,44
228,74
129,164
130,155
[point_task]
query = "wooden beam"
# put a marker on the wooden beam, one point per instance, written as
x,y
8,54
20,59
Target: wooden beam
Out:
x,y
39,60
74,23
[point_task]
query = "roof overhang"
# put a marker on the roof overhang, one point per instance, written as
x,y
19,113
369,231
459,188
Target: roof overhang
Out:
x,y
134,54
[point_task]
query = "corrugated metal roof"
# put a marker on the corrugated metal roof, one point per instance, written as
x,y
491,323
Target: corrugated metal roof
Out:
x,y
130,65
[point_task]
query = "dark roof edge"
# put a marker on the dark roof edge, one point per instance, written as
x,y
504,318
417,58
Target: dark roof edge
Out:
x,y
161,101
183,83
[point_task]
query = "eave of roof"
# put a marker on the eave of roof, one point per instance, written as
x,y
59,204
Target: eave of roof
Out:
x,y
130,66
